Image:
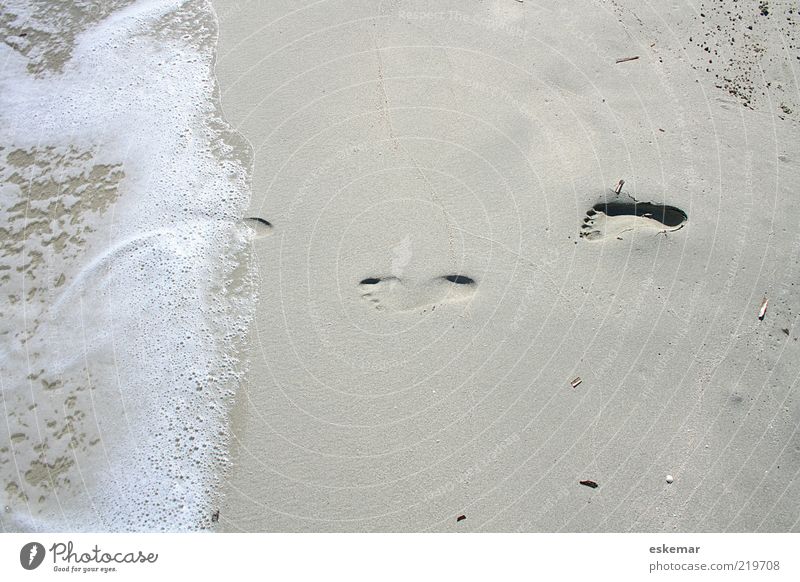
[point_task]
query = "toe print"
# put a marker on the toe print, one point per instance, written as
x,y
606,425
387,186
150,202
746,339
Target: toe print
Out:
x,y
611,219
382,292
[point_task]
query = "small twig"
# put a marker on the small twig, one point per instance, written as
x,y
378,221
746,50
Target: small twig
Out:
x,y
626,59
762,311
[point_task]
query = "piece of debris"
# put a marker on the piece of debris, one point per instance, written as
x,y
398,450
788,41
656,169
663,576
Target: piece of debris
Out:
x,y
670,479
661,130
589,483
215,516
763,310
626,59
785,330
618,187
576,382
461,518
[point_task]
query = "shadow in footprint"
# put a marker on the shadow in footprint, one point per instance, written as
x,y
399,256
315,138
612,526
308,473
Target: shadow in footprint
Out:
x,y
459,279
607,219
395,294
666,215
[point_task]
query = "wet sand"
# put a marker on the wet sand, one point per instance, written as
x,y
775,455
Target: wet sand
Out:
x,y
426,298
121,195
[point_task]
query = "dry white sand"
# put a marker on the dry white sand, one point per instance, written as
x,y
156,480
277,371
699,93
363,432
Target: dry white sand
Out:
x,y
426,298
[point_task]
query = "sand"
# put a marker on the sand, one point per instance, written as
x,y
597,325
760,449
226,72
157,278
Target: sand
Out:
x,y
442,310
426,297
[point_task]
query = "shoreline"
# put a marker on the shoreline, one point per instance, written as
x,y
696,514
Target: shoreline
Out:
x,y
359,267
120,195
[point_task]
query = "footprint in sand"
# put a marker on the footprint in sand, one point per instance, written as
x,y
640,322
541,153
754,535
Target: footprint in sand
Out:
x,y
396,294
613,218
261,227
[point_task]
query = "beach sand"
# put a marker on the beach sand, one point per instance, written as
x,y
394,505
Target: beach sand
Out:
x,y
506,266
426,297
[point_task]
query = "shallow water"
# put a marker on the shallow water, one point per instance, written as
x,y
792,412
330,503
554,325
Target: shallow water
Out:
x,y
121,206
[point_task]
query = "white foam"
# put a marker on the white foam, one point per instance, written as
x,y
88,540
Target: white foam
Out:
x,y
142,330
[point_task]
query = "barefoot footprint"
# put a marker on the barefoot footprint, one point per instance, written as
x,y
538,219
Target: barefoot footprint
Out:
x,y
261,226
613,218
396,294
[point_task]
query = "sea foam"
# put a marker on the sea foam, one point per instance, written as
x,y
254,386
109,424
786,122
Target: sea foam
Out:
x,y
120,207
